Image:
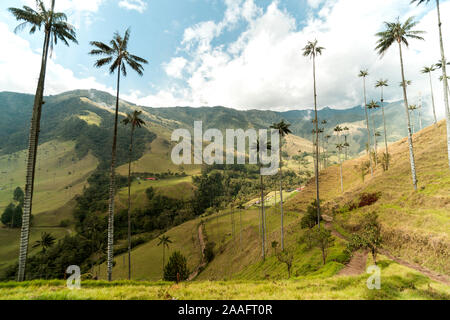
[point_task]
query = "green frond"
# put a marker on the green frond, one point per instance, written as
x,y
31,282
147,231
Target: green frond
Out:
x,y
138,59
124,70
419,2
102,48
115,65
101,62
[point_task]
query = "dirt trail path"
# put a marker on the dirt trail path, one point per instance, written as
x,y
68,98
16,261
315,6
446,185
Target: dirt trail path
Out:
x,y
357,264
202,247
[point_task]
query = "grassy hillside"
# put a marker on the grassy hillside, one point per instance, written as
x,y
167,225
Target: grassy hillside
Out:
x,y
9,238
60,175
416,224
147,258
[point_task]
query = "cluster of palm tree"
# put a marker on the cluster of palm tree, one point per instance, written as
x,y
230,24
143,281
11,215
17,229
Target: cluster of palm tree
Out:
x,y
55,27
401,33
283,129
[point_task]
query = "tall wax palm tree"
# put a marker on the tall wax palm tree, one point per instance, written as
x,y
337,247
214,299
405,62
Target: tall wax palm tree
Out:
x,y
327,137
259,147
363,74
412,108
399,33
322,130
164,241
419,109
240,208
430,70
46,241
444,72
340,146
120,57
55,27
381,84
372,106
283,129
312,50
135,121
346,144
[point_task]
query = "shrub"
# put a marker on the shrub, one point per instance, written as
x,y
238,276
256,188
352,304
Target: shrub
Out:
x,y
176,267
369,237
64,223
367,199
323,240
309,220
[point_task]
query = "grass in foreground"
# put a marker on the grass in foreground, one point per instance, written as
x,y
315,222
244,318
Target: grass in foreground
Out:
x,y
397,282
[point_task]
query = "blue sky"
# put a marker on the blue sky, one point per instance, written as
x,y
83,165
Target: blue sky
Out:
x,y
237,53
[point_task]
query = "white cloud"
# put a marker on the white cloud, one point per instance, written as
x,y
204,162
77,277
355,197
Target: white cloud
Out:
x,y
138,5
175,67
315,3
20,67
264,67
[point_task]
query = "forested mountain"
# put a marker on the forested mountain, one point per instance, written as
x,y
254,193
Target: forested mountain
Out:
x,y
67,115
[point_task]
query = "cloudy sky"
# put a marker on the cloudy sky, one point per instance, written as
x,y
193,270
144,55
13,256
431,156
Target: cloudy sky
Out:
x,y
236,53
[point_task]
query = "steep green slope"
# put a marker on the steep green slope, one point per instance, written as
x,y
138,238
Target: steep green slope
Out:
x,y
415,225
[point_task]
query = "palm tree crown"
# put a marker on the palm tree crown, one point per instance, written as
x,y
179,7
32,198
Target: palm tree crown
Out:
x,y
282,127
428,69
397,32
363,73
372,105
312,50
134,119
118,53
46,241
54,22
381,83
164,241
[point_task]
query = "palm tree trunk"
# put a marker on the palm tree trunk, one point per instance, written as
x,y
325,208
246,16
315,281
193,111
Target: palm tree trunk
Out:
x,y
32,155
112,186
262,220
420,119
340,162
281,200
346,149
385,131
240,227
164,257
317,142
368,129
410,141
374,139
129,203
444,73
